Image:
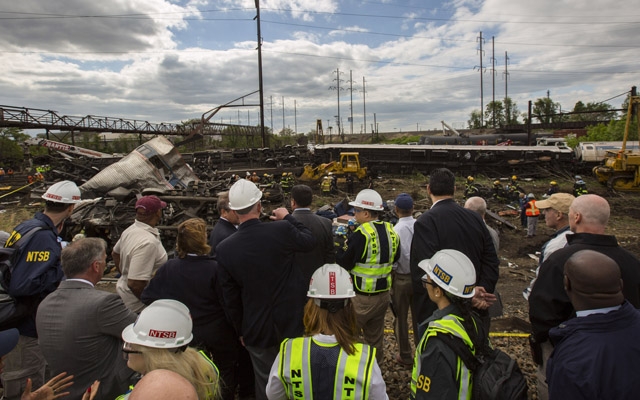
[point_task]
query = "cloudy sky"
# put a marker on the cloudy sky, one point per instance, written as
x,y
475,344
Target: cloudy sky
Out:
x,y
411,62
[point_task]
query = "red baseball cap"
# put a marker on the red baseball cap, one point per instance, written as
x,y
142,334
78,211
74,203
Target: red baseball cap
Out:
x,y
150,204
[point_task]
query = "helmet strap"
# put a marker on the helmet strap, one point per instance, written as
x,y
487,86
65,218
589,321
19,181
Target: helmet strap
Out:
x,y
333,306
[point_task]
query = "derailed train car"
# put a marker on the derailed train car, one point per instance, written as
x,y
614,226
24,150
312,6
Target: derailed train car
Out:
x,y
404,159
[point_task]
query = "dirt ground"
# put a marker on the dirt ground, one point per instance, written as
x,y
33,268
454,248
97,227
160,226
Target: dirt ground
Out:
x,y
516,266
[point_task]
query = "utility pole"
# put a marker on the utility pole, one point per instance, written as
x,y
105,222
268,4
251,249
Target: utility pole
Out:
x,y
271,97
265,140
337,88
364,102
283,126
295,117
506,96
493,77
351,107
480,40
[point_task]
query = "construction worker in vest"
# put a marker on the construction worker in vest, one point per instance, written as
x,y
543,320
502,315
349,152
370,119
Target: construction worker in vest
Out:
x,y
371,251
327,363
285,182
533,212
325,186
438,372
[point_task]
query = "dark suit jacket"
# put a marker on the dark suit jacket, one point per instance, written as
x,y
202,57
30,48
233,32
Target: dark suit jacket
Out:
x,y
79,330
221,230
447,225
323,252
263,293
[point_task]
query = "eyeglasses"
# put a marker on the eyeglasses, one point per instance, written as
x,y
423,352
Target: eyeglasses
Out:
x,y
126,350
427,282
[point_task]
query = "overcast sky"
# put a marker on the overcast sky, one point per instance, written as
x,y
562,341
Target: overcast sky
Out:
x,y
169,61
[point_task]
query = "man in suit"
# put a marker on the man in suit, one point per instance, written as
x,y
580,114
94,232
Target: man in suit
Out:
x,y
79,327
323,252
226,225
447,225
262,290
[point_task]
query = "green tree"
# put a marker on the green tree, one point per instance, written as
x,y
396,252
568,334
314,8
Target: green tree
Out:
x,y
11,148
592,112
544,109
475,119
510,111
494,114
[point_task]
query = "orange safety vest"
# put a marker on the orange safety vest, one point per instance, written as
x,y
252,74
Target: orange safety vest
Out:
x,y
532,210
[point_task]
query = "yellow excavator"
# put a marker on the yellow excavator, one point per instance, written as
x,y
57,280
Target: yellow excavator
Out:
x,y
349,164
620,170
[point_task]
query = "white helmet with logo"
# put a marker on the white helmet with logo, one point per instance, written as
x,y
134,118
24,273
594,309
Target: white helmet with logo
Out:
x,y
368,199
330,284
165,324
63,192
243,194
452,271
331,281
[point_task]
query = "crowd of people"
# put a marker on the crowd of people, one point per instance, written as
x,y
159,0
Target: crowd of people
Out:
x,y
281,310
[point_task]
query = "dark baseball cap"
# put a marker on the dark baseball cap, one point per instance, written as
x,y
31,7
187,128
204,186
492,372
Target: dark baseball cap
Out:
x,y
404,201
8,340
150,204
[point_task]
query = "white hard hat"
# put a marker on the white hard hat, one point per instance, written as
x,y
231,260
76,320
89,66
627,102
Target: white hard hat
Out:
x,y
531,196
243,194
452,271
165,324
63,192
368,199
331,281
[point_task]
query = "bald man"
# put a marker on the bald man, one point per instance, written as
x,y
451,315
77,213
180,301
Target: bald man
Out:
x,y
162,384
479,205
596,354
549,304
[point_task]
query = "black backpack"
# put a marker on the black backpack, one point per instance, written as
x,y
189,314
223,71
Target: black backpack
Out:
x,y
12,312
496,376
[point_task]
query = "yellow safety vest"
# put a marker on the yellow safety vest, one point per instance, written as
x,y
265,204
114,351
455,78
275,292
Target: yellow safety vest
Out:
x,y
449,325
353,372
366,273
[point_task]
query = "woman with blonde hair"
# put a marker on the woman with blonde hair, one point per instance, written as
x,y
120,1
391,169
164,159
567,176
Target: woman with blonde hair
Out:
x,y
328,362
159,339
192,279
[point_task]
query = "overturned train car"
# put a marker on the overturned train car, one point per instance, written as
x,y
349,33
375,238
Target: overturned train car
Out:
x,y
404,159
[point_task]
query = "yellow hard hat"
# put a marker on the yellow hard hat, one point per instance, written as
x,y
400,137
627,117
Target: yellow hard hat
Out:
x,y
284,174
496,182
553,183
470,178
513,178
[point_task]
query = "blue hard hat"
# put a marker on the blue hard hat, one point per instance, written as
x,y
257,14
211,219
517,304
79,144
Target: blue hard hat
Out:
x,y
341,230
352,222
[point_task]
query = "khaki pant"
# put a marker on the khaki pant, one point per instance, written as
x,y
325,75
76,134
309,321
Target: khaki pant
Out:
x,y
541,372
402,296
370,312
24,361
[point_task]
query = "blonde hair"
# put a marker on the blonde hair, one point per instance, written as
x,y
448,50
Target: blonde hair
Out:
x,y
190,364
192,238
341,323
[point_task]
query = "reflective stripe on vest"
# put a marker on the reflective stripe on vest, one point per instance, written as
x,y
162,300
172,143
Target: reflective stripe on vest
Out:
x,y
532,210
373,268
353,372
450,325
210,395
